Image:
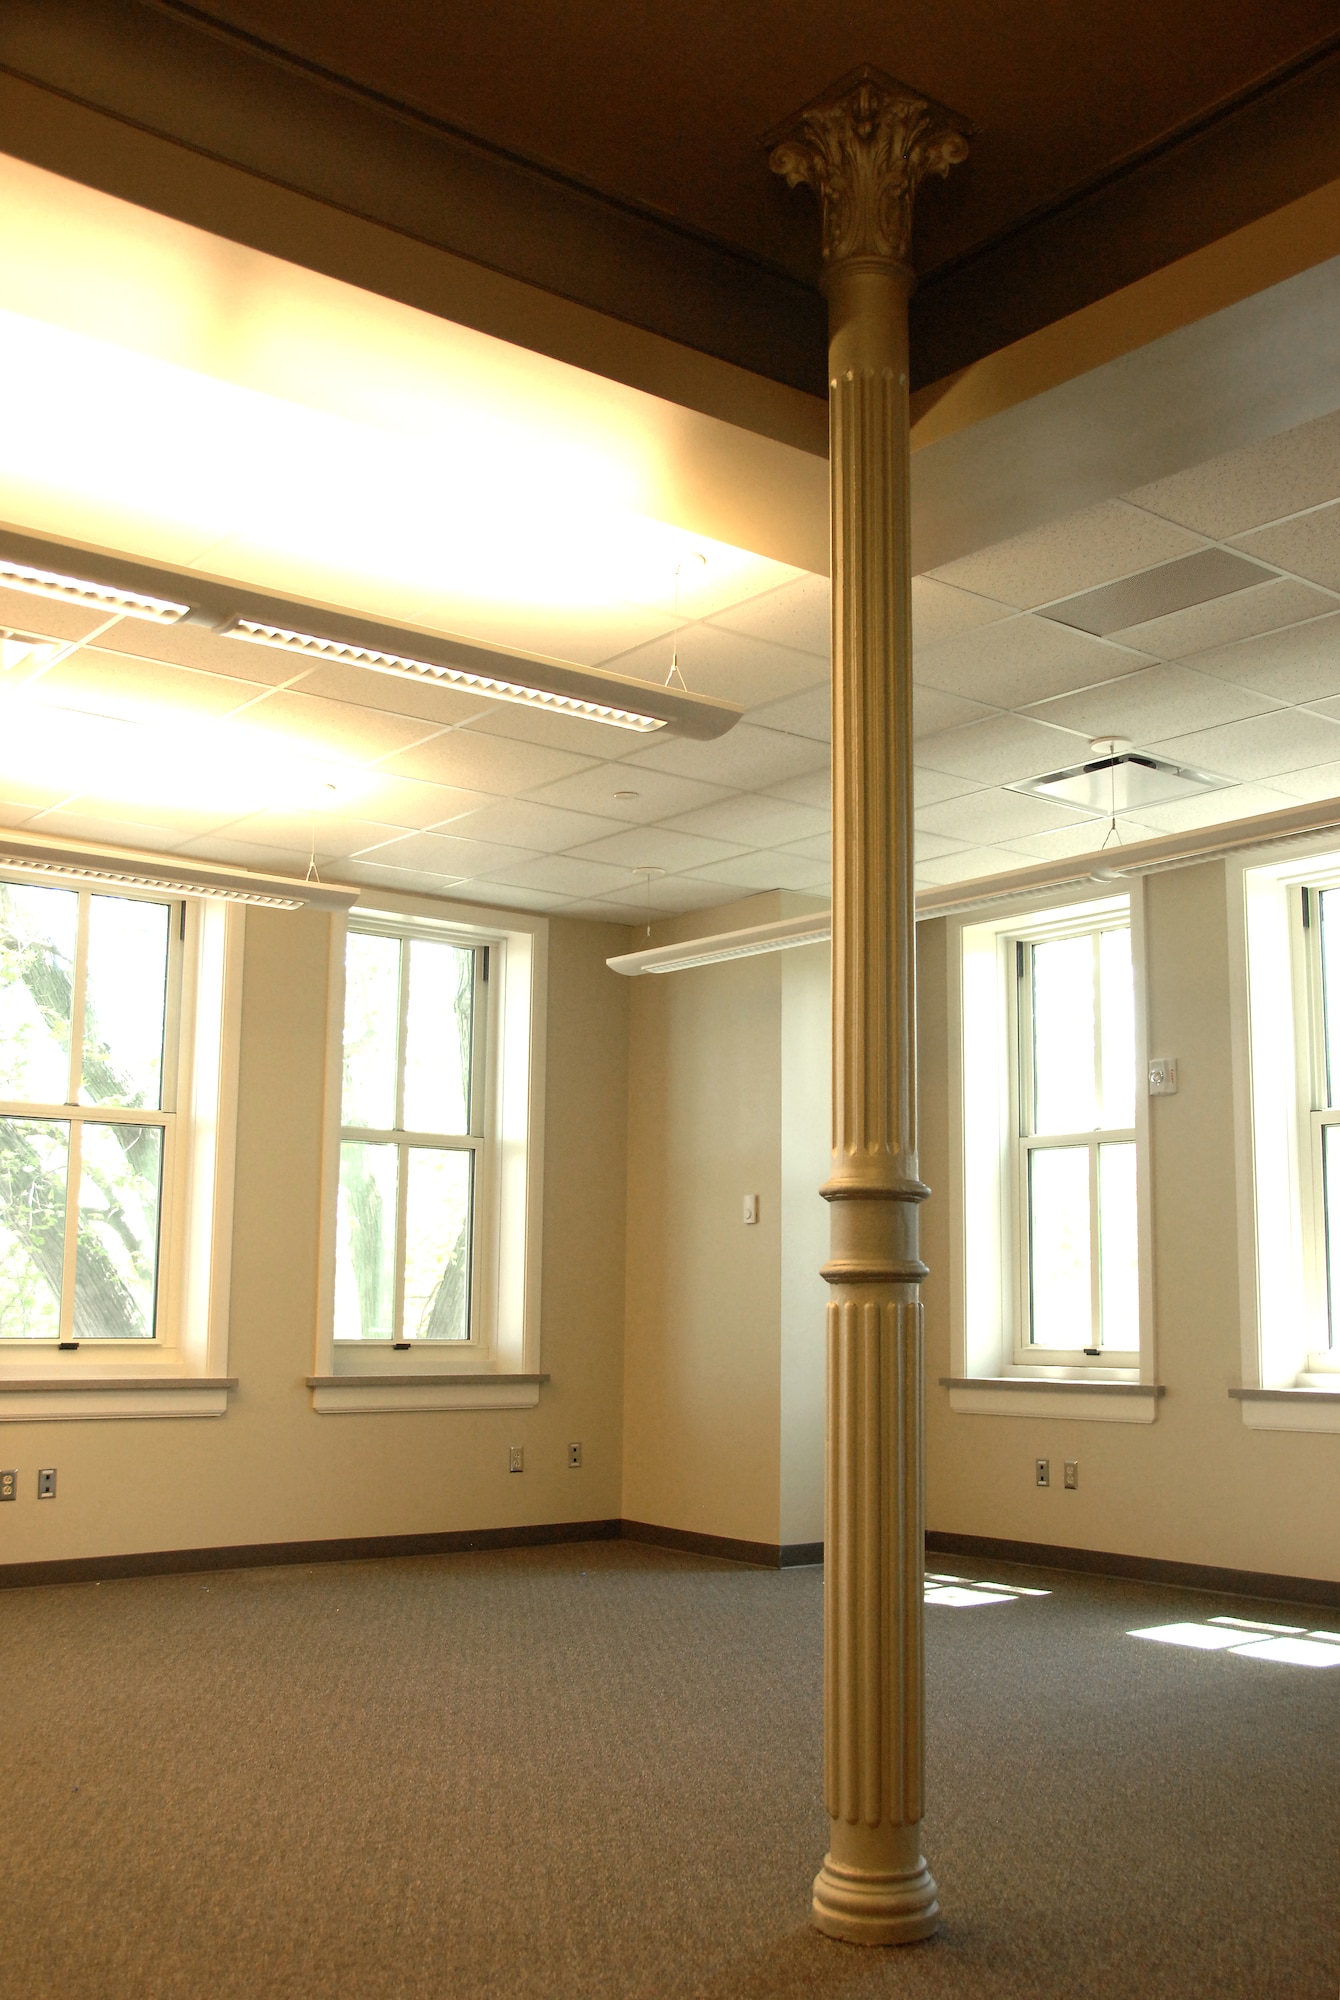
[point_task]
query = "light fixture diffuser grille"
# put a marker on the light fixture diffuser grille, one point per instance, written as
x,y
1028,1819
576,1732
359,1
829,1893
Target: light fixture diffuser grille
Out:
x,y
52,583
123,879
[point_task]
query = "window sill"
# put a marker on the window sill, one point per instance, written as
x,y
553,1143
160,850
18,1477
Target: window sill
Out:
x,y
74,1398
1053,1396
458,1389
1289,1409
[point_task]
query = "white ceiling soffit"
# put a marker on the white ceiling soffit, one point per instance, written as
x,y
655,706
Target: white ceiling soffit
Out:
x,y
1239,375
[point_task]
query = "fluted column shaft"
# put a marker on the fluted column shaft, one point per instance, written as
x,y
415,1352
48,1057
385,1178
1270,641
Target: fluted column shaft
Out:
x,y
864,147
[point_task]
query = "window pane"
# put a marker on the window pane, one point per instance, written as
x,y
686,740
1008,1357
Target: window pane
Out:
x,y
124,1002
1063,1036
371,1030
1329,907
1118,995
365,1245
1330,1163
1058,1232
116,1256
38,928
1119,1266
33,1163
437,1246
437,1042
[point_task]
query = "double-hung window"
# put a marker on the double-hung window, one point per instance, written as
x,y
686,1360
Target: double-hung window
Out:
x,y
413,1155
88,1014
431,1244
118,1038
1077,1259
1049,1283
1289,1059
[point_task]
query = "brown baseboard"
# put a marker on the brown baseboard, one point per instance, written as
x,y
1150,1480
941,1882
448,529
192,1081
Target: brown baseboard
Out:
x,y
268,1555
763,1555
1139,1569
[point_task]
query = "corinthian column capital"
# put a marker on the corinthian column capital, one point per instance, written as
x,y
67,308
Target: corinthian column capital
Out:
x,y
865,146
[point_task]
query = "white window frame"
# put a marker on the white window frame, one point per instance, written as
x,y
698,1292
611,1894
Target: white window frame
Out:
x,y
499,1366
1289,1379
996,1371
182,1370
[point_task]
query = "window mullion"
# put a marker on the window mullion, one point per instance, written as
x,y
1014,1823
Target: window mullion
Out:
x,y
1095,1252
401,1204
78,989
73,1170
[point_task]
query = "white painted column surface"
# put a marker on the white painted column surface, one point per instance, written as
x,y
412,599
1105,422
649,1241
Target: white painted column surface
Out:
x,y
864,146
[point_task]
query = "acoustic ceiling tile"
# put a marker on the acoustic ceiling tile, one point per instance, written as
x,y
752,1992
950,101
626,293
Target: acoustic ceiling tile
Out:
x,y
987,817
814,788
1212,809
99,683
564,875
409,802
545,829
971,864
225,847
1321,781
1263,608
467,761
931,846
94,819
727,665
1309,545
939,611
572,734
745,759
442,855
20,611
753,819
508,896
805,714
1158,701
1263,746
404,881
933,711
796,615
932,786
339,729
1076,553
616,791
1022,660
1087,836
441,707
1301,663
762,871
1003,750
1281,475
329,834
819,847
658,847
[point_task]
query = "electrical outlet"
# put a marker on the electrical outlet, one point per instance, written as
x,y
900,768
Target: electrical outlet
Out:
x,y
46,1483
1072,1475
9,1485
574,1456
1044,1468
516,1458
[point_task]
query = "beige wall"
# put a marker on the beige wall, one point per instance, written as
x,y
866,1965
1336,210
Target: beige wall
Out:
x,y
1196,1485
723,1402
272,1470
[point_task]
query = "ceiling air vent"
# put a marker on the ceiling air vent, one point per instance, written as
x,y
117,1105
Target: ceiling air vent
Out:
x,y
1118,780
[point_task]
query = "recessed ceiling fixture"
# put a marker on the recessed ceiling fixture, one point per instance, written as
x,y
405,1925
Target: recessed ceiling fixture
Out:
x,y
427,670
1118,779
97,596
495,673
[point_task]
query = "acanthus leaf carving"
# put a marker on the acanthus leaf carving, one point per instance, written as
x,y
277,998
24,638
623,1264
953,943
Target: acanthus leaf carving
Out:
x,y
865,147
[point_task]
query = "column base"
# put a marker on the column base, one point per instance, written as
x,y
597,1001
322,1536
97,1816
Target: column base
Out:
x,y
865,1906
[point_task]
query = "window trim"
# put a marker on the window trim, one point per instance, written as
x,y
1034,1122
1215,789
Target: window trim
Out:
x,y
986,1287
499,1367
1282,1282
182,1371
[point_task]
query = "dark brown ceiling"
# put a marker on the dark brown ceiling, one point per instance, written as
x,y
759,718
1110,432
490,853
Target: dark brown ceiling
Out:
x,y
663,104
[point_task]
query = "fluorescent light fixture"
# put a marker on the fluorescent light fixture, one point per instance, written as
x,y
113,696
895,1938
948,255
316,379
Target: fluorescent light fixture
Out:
x,y
813,929
94,596
130,870
426,670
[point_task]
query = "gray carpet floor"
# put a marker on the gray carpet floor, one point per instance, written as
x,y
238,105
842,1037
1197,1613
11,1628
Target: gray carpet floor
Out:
x,y
594,1771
